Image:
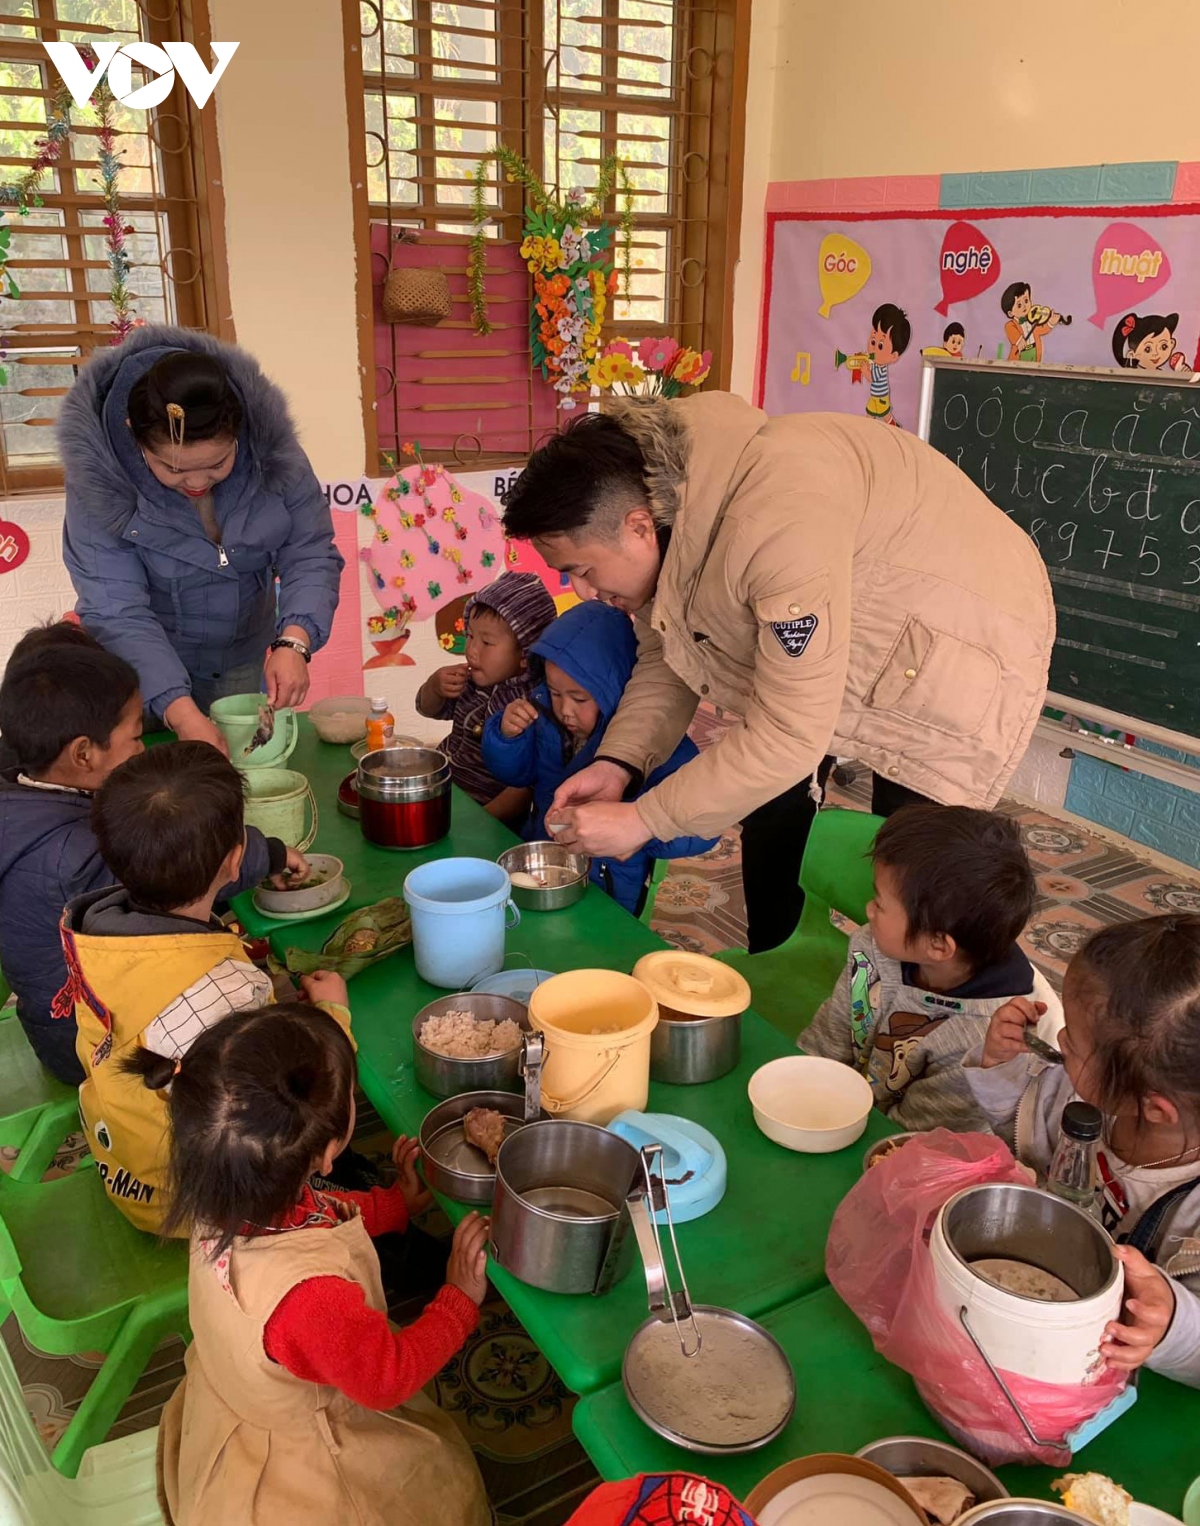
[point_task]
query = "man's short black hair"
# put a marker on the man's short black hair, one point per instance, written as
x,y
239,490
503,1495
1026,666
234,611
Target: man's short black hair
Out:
x,y
962,872
588,477
951,330
166,820
57,692
1009,300
893,321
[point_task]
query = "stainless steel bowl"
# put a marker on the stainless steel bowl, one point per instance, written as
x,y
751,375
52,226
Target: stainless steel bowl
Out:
x,y
884,1147
446,1076
451,1165
1021,1512
565,875
919,1457
1026,1224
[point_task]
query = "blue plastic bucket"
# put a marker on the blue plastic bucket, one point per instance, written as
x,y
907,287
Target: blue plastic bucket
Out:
x,y
460,908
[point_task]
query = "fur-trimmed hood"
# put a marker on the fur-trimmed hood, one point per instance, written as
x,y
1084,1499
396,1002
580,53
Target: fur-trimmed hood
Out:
x,y
96,476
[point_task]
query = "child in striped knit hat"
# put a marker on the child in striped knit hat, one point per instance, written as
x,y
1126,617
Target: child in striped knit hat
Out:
x,y
503,621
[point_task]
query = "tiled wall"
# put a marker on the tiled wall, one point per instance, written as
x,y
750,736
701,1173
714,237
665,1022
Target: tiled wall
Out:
x,y
1150,811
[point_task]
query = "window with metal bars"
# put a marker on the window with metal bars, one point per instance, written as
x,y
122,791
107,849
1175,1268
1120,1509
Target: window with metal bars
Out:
x,y
435,85
170,197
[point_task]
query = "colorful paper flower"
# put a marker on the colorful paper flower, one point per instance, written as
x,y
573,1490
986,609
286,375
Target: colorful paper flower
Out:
x,y
446,641
690,368
656,354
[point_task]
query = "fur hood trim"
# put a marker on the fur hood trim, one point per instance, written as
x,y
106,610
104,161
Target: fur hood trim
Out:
x,y
659,429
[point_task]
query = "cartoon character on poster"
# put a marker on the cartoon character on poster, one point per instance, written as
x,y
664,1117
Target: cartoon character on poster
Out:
x,y
1146,342
435,541
1028,322
951,347
843,269
890,333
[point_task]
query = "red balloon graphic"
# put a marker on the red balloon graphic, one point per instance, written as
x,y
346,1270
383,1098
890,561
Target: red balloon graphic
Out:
x,y
969,264
14,545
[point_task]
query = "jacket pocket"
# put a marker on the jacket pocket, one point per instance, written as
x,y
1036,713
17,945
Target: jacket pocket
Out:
x,y
938,679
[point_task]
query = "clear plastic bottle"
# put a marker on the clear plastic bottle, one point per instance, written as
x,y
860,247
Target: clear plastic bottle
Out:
x,y
381,726
1073,1174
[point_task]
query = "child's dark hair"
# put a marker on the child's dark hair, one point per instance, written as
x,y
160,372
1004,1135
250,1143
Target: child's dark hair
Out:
x,y
166,820
1145,976
585,479
1132,330
54,633
959,872
953,329
57,692
255,1101
893,321
1009,300
199,384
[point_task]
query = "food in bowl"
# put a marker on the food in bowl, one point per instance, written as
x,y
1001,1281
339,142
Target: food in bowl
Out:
x,y
341,720
1024,1279
483,1127
1094,1497
942,1499
461,1036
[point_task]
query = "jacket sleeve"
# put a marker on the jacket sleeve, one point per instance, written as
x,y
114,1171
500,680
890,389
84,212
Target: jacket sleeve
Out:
x,y
263,856
796,695
114,603
511,760
656,710
676,847
309,565
1177,1355
828,1035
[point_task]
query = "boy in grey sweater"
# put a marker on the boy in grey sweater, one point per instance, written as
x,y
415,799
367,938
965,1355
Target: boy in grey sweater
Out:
x,y
953,890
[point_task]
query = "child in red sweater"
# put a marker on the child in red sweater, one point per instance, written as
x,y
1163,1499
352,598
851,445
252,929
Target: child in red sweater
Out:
x,y
301,1402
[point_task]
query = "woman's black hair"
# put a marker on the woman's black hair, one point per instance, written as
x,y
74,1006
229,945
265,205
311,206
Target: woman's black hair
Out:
x,y
253,1104
1143,981
200,385
1131,330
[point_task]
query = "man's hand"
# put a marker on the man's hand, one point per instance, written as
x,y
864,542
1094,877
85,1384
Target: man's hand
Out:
x,y
450,682
1149,1309
598,781
325,985
518,717
603,829
417,1195
1006,1031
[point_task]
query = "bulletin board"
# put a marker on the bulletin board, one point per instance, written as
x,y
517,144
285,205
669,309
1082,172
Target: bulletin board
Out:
x,y
1096,286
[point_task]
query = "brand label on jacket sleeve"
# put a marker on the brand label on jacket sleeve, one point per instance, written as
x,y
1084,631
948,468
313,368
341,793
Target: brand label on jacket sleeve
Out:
x,y
794,635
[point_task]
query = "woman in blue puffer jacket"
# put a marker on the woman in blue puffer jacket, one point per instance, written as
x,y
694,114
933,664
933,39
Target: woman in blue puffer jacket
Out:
x,y
188,495
586,658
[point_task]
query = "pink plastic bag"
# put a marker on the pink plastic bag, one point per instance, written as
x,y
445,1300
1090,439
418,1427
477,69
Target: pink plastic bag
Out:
x,y
878,1259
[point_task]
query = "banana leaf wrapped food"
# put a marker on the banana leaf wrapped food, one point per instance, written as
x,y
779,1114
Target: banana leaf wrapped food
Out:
x,y
365,937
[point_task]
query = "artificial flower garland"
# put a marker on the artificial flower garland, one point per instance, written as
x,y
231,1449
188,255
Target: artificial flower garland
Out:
x,y
573,276
23,193
657,367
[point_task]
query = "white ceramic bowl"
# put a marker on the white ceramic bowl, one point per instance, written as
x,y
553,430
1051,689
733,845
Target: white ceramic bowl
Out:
x,y
806,1103
310,898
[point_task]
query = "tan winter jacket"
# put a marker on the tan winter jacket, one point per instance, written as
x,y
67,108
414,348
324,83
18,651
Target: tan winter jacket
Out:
x,y
843,588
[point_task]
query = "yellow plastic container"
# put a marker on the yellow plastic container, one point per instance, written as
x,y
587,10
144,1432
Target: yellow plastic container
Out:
x,y
597,1025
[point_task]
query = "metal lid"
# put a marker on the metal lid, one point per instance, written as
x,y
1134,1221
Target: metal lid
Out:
x,y
692,983
1082,1121
734,1395
403,763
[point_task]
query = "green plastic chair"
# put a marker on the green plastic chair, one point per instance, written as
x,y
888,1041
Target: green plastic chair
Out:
x,y
80,1278
662,867
37,1111
789,983
116,1485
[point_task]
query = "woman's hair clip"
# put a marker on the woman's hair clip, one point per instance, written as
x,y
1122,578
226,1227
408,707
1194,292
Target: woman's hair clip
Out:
x,y
175,424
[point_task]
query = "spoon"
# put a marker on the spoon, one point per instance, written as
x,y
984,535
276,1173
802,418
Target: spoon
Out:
x,y
1040,1047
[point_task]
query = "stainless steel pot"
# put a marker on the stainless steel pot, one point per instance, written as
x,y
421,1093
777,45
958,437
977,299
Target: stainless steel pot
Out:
x,y
559,1215
450,1165
404,796
565,875
1026,1224
686,1051
447,1076
1021,1512
919,1457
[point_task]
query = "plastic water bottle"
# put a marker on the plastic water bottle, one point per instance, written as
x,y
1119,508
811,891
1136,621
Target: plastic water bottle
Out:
x,y
380,726
1073,1173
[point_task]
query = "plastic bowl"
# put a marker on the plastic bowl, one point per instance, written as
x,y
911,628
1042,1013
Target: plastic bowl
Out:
x,y
312,897
340,720
810,1104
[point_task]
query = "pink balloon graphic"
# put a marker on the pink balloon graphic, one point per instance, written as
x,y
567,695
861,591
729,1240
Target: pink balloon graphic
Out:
x,y
1128,266
969,264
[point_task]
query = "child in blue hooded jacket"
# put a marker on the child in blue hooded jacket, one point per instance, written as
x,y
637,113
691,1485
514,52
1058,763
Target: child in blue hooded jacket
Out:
x,y
587,656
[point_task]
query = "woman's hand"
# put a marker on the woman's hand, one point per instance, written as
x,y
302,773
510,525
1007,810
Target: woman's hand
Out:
x,y
1006,1031
1149,1309
598,781
190,724
286,674
417,1195
468,1258
603,829
518,717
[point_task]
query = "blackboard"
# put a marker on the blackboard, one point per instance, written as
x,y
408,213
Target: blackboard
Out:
x,y
1102,469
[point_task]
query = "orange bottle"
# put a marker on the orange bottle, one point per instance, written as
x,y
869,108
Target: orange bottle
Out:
x,y
381,725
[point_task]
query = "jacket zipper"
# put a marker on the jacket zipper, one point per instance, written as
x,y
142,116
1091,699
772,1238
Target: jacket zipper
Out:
x,y
222,559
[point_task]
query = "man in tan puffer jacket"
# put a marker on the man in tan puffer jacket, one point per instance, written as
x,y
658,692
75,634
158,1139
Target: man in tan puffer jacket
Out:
x,y
839,587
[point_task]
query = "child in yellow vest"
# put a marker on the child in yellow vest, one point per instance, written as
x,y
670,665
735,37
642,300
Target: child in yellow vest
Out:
x,y
301,1403
148,967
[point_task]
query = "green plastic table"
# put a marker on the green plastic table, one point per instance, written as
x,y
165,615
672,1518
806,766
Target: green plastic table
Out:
x,y
763,1246
847,1395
